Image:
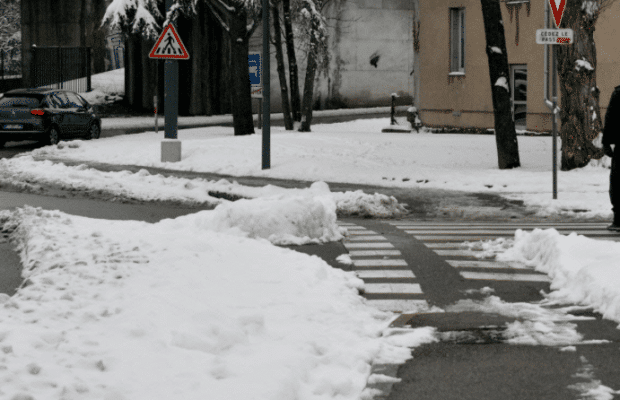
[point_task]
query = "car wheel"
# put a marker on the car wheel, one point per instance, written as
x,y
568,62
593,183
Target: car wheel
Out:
x,y
53,136
93,132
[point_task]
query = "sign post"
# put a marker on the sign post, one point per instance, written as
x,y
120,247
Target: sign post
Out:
x,y
551,36
170,48
266,105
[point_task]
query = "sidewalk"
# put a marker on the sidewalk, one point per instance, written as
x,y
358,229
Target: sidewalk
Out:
x,y
128,125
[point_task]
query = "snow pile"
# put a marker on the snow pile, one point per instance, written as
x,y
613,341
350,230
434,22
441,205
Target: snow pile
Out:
x,y
368,205
583,271
132,310
281,219
124,184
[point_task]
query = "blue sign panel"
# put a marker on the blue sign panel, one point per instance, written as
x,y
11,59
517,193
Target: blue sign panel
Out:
x,y
254,62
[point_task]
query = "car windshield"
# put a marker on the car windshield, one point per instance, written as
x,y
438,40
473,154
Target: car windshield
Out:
x,y
26,102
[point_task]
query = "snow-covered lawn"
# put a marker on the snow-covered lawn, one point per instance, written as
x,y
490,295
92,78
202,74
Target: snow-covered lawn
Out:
x,y
358,152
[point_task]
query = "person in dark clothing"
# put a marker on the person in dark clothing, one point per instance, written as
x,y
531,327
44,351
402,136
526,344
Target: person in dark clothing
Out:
x,y
611,136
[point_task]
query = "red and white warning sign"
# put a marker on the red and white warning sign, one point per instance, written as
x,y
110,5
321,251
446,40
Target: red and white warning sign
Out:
x,y
557,6
169,45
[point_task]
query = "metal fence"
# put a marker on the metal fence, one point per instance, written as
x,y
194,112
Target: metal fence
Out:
x,y
61,68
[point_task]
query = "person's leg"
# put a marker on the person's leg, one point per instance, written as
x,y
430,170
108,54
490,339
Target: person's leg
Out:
x,y
614,191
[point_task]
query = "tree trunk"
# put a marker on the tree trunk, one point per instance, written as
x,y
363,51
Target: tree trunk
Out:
x,y
306,107
240,75
505,134
286,108
580,112
292,60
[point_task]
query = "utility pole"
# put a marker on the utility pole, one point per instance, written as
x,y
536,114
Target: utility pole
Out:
x,y
266,83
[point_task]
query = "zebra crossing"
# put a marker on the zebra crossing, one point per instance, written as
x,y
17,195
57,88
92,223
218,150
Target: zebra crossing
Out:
x,y
389,283
446,239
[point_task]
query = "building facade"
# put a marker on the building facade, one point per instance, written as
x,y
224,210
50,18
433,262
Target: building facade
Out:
x,y
455,84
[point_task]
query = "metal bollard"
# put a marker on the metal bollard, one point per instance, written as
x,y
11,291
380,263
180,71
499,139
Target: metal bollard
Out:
x,y
392,118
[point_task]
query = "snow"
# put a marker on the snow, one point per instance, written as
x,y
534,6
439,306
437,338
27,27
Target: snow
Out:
x,y
344,259
205,306
501,81
583,64
147,187
582,270
591,7
354,152
188,308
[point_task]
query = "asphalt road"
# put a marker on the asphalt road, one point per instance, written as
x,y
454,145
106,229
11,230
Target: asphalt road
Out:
x,y
474,361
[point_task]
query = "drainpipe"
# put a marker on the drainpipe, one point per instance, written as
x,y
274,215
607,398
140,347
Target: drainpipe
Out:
x,y
546,79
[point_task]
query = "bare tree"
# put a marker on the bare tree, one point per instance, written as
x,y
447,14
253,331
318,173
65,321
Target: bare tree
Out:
x,y
292,60
313,25
277,42
505,133
580,111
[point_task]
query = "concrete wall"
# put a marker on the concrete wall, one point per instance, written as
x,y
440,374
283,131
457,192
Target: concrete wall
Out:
x,y
465,101
69,23
360,31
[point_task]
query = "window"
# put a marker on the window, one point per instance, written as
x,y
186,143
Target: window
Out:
x,y
457,40
62,99
53,101
74,100
24,102
518,86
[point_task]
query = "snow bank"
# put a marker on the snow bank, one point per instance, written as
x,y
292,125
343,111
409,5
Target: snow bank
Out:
x,y
583,271
132,310
148,187
281,219
96,96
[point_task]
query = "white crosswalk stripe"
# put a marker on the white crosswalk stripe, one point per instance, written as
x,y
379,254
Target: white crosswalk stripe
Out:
x,y
363,238
381,245
389,284
362,253
362,232
446,239
380,263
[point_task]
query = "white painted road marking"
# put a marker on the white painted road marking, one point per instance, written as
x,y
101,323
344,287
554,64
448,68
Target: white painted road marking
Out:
x,y
504,277
366,238
387,273
486,264
380,263
356,253
385,245
392,288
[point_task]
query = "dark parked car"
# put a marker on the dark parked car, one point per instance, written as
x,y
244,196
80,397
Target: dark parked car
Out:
x,y
48,115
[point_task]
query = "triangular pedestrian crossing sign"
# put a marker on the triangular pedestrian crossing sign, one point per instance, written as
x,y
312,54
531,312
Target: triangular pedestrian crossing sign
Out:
x,y
169,45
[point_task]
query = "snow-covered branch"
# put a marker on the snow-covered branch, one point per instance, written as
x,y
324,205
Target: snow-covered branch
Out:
x,y
136,16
